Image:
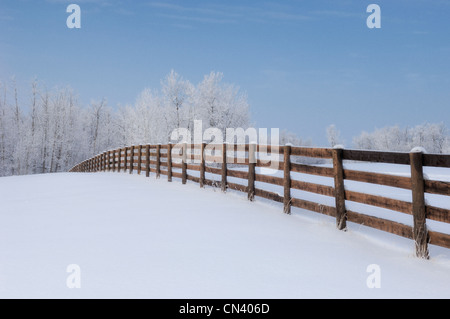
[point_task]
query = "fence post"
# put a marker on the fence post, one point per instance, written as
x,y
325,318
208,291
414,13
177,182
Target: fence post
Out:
x,y
202,165
125,159
251,171
131,159
113,160
224,168
139,159
116,154
339,190
147,157
119,159
420,233
169,162
158,161
287,179
109,161
184,164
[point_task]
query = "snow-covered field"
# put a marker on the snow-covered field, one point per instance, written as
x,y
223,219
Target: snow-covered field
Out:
x,y
137,237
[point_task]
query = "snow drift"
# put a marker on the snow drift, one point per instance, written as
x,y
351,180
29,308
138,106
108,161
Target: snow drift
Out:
x,y
137,237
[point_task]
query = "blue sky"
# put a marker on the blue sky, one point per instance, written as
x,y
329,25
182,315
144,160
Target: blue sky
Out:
x,y
304,64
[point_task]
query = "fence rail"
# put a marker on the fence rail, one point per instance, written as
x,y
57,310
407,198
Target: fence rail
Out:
x,y
225,162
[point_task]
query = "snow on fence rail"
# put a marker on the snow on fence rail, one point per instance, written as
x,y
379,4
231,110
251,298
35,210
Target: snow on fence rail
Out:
x,y
246,174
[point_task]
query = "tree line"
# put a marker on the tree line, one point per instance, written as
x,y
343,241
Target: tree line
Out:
x,y
433,137
52,132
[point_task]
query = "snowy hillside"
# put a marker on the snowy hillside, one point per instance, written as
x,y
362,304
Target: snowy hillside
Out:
x,y
134,237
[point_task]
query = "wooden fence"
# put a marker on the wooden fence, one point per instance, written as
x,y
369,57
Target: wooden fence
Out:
x,y
179,160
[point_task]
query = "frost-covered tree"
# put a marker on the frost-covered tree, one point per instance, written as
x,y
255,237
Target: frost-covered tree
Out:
x,y
333,135
176,95
433,137
221,105
101,127
47,130
156,114
145,122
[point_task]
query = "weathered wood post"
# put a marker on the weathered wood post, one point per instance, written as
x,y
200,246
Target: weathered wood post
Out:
x,y
169,162
251,171
202,165
119,159
224,168
125,159
287,179
139,159
131,159
113,161
108,163
339,189
158,161
420,232
147,158
184,164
